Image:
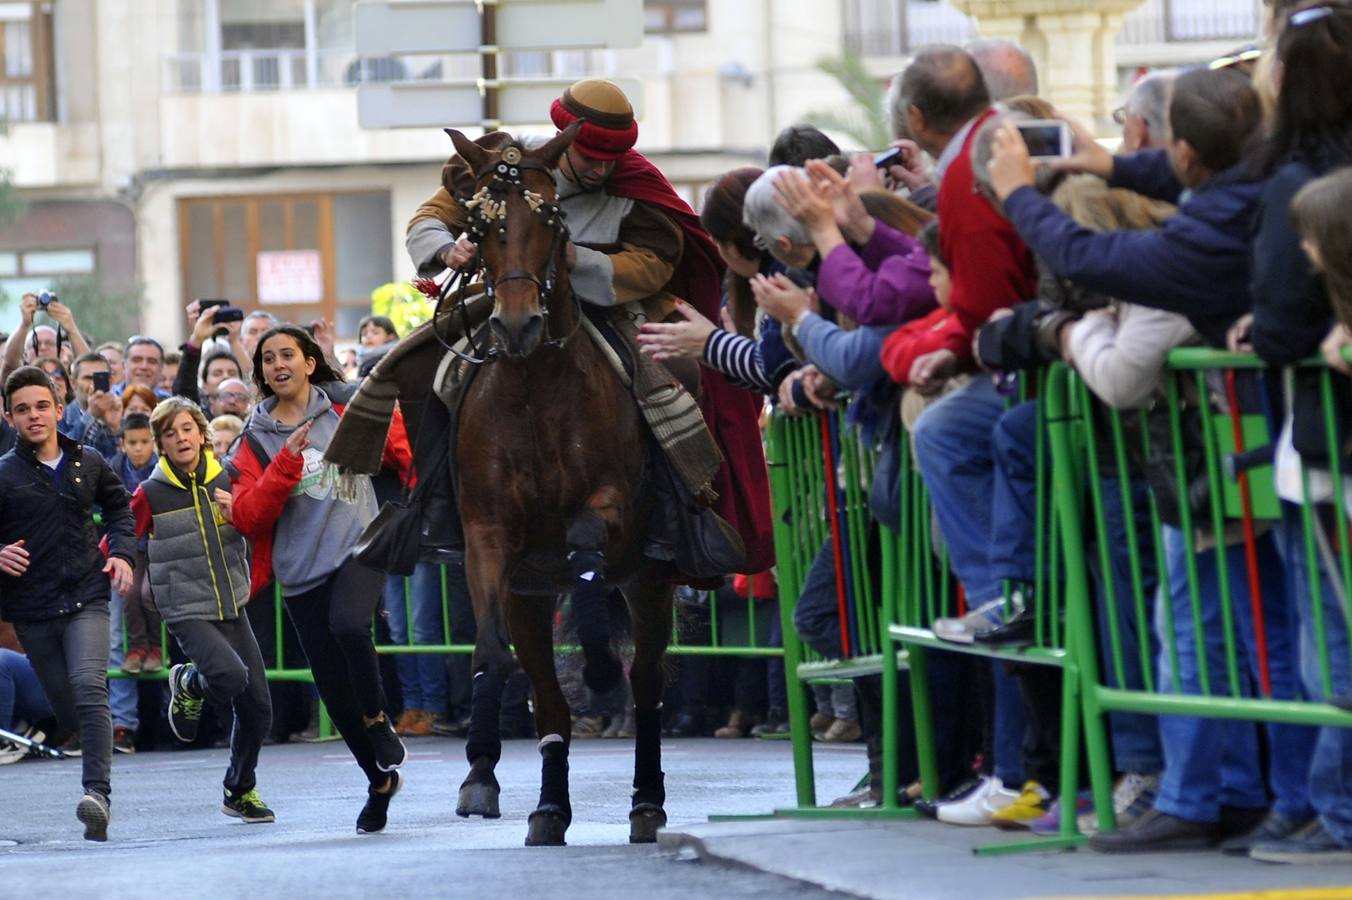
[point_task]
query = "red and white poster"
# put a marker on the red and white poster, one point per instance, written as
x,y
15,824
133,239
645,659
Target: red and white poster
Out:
x,y
290,276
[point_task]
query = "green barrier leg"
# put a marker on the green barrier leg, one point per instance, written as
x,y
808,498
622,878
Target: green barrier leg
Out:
x,y
924,721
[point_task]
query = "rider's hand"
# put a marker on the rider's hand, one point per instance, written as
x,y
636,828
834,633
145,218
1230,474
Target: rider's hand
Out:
x,y
459,254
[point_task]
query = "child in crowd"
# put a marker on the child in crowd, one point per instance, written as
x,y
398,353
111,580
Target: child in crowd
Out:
x,y
1320,213
199,568
135,460
225,431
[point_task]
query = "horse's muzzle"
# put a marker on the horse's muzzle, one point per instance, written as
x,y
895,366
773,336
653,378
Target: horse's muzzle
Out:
x,y
518,335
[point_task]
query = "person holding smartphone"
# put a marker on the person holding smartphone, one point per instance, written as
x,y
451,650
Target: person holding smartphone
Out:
x,y
303,525
203,319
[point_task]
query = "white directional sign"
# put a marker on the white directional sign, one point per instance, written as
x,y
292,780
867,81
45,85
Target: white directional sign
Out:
x,y
423,104
452,26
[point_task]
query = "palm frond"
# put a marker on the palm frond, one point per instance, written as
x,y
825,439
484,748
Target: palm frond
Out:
x,y
865,120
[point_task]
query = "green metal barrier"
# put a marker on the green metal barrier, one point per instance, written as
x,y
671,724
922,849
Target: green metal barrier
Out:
x,y
1203,404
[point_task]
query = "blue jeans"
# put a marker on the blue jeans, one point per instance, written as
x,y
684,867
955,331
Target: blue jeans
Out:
x,y
122,692
954,449
816,614
1330,781
1011,727
21,696
1135,736
422,676
1214,762
1013,502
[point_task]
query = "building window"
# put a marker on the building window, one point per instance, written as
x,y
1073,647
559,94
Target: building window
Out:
x,y
896,27
300,256
26,75
674,16
32,271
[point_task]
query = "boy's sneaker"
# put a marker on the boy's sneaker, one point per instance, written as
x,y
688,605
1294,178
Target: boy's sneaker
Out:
x,y
980,805
154,660
964,629
390,751
124,739
248,807
185,708
94,812
1030,806
373,814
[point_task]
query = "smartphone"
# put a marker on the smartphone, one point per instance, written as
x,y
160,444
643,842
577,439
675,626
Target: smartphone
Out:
x,y
103,381
1046,138
228,314
891,157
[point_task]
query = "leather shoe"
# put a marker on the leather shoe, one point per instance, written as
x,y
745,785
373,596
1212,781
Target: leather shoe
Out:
x,y
1157,831
1240,820
1274,827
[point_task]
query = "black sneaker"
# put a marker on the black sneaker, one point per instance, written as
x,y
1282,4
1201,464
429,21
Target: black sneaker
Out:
x,y
185,708
94,812
390,751
371,819
247,806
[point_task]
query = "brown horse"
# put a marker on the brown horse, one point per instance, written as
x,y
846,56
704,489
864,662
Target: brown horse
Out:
x,y
550,464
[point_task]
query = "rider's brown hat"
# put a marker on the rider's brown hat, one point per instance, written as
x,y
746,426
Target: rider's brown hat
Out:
x,y
608,128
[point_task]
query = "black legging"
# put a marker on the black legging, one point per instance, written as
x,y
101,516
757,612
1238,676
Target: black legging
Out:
x,y
334,624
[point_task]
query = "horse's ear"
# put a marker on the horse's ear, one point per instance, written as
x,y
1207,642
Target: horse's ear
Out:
x,y
473,155
550,153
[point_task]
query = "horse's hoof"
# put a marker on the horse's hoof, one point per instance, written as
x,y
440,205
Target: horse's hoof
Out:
x,y
478,800
547,827
644,820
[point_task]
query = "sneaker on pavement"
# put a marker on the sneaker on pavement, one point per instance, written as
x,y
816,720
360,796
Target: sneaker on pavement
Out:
x,y
185,707
1310,845
1133,797
124,739
842,731
980,805
72,746
1031,805
1274,827
93,811
372,817
390,751
154,660
1050,821
930,808
247,807
964,629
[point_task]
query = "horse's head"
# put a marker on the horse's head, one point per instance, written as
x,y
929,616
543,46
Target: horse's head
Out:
x,y
519,228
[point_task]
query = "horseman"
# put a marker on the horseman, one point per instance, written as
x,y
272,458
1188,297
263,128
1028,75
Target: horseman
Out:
x,y
638,248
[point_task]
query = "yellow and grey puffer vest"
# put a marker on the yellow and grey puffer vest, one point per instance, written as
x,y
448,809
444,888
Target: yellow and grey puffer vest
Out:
x,y
199,564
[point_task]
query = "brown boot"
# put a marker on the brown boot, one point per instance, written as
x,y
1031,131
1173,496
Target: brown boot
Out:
x,y
842,731
739,726
820,721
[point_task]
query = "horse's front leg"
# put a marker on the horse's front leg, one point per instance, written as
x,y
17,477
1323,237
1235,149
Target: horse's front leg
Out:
x,y
650,608
589,533
486,574
531,620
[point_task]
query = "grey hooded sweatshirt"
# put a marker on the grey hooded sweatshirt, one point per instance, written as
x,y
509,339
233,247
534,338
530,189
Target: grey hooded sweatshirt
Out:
x,y
316,531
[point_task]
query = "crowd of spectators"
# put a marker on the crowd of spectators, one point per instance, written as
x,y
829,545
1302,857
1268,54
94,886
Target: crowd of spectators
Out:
x,y
920,289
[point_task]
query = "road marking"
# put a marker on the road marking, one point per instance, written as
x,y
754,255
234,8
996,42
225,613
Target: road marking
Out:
x,y
1316,893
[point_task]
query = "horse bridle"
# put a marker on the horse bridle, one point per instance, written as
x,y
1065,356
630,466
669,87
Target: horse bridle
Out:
x,y
486,211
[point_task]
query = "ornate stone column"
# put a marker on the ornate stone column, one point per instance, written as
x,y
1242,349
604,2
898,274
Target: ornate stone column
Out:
x,y
1072,42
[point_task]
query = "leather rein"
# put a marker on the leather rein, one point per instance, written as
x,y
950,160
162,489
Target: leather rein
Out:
x,y
486,211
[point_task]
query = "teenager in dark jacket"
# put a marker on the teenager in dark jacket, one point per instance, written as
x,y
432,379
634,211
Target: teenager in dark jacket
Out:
x,y
199,571
303,529
53,579
1197,264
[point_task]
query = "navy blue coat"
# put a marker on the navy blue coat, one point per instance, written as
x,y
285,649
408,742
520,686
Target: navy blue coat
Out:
x,y
1196,264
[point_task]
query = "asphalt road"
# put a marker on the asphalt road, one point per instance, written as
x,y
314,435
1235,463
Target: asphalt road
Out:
x,y
169,838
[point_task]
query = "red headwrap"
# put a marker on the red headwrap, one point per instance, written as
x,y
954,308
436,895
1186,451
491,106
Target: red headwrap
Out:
x,y
602,136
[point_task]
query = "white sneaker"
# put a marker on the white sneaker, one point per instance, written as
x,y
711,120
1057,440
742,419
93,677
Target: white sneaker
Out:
x,y
964,629
11,752
978,807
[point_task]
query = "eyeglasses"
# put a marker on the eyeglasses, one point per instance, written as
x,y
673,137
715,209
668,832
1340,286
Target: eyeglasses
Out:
x,y
229,396
1306,16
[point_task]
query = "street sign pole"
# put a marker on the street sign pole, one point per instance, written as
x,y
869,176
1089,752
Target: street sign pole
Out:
x,y
488,55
